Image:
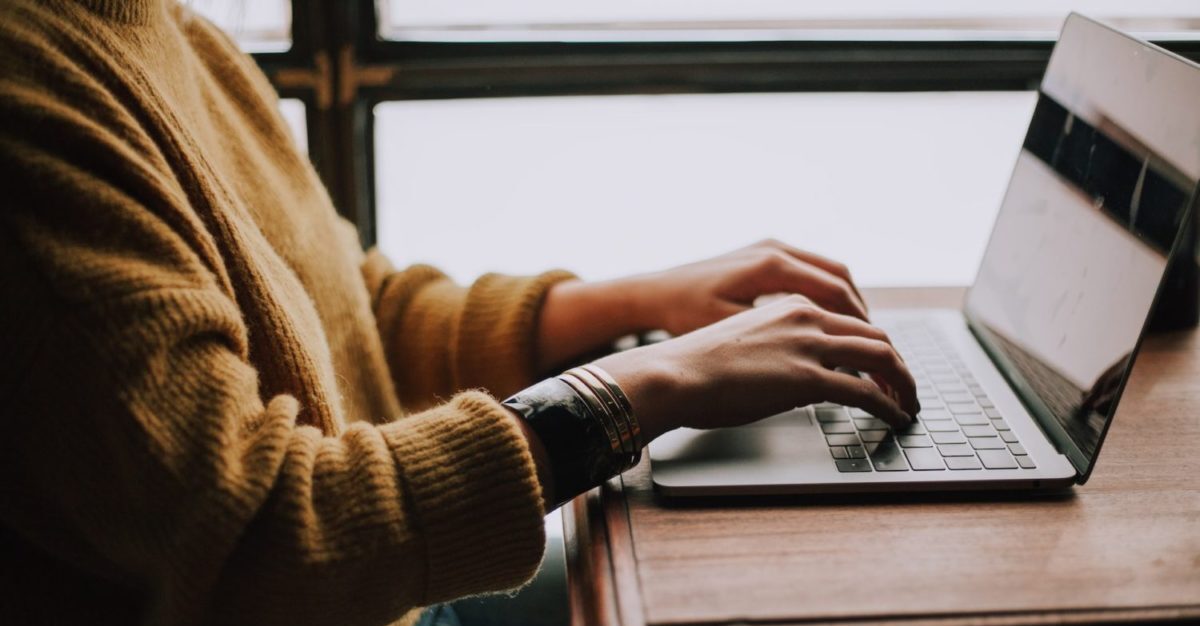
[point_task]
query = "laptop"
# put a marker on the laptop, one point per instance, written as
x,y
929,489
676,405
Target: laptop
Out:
x,y
1020,386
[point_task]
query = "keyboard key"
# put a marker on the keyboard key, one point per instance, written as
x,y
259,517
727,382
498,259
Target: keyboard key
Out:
x,y
1008,436
924,459
987,443
977,430
997,459
853,465
873,436
965,409
856,452
992,412
947,426
841,440
941,438
825,414
915,441
933,414
985,402
837,428
858,413
978,392
838,452
887,457
958,398
1026,462
963,463
871,423
956,449
926,395
1017,449
971,420
1000,424
914,428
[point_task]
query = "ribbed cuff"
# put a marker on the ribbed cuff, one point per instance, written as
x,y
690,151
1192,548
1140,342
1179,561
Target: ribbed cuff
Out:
x,y
474,489
497,336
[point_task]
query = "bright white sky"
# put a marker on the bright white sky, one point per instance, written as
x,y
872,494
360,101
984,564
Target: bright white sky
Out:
x,y
903,187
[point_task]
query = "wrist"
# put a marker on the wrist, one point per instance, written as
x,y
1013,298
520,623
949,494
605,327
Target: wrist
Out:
x,y
580,317
628,305
638,301
649,383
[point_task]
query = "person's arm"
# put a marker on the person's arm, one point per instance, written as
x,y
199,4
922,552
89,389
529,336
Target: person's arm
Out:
x,y
144,440
440,337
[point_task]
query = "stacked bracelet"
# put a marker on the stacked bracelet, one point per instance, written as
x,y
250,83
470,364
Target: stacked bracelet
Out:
x,y
585,423
606,400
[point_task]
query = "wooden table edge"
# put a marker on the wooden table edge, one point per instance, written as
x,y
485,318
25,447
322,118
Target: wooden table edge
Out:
x,y
602,581
604,588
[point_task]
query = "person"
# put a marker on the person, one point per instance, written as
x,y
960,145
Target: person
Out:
x,y
220,410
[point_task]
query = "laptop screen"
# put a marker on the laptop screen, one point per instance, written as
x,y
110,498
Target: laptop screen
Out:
x,y
1096,204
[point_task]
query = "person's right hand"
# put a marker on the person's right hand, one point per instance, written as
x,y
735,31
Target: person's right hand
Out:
x,y
762,362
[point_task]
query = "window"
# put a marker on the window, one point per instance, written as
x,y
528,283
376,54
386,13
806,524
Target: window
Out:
x,y
613,185
833,125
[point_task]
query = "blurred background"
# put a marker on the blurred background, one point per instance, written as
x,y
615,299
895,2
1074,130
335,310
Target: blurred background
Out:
x,y
610,137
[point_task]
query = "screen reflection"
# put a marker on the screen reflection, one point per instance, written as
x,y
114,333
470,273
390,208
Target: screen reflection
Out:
x,y
1079,249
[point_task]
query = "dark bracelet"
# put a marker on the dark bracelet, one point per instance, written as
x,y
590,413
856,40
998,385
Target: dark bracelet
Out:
x,y
577,442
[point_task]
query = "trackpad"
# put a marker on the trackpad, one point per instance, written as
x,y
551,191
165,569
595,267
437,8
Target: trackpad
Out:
x,y
784,434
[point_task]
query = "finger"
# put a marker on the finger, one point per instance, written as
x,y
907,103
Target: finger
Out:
x,y
878,359
835,324
829,265
827,290
769,298
863,394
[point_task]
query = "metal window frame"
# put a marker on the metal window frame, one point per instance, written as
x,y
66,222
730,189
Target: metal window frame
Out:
x,y
340,68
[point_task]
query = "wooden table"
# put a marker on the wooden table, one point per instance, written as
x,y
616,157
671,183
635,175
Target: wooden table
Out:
x,y
1123,547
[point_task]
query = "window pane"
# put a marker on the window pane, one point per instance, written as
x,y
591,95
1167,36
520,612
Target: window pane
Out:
x,y
770,19
258,26
294,114
901,186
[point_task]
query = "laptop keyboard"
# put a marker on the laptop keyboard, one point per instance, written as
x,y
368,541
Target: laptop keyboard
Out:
x,y
958,429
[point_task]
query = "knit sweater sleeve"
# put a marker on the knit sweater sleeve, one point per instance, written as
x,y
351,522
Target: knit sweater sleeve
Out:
x,y
137,448
440,337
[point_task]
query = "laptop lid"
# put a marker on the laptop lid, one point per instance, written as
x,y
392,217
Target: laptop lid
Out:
x,y
1099,200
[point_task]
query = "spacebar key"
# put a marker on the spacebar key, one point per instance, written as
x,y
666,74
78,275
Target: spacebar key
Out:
x,y
888,457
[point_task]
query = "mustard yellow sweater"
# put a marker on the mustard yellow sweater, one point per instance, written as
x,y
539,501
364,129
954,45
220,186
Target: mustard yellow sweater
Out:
x,y
202,374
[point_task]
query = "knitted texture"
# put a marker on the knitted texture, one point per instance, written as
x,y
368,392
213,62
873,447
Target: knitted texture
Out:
x,y
203,373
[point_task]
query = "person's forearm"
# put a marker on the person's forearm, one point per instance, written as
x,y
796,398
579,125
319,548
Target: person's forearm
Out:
x,y
579,317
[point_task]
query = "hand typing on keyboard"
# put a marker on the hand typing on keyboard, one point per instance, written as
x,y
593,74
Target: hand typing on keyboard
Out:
x,y
762,362
959,428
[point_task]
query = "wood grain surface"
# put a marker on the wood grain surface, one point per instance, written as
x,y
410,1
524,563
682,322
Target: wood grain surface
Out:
x,y
1124,547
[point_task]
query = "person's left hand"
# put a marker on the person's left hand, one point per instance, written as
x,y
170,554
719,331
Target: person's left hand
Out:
x,y
688,297
579,317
